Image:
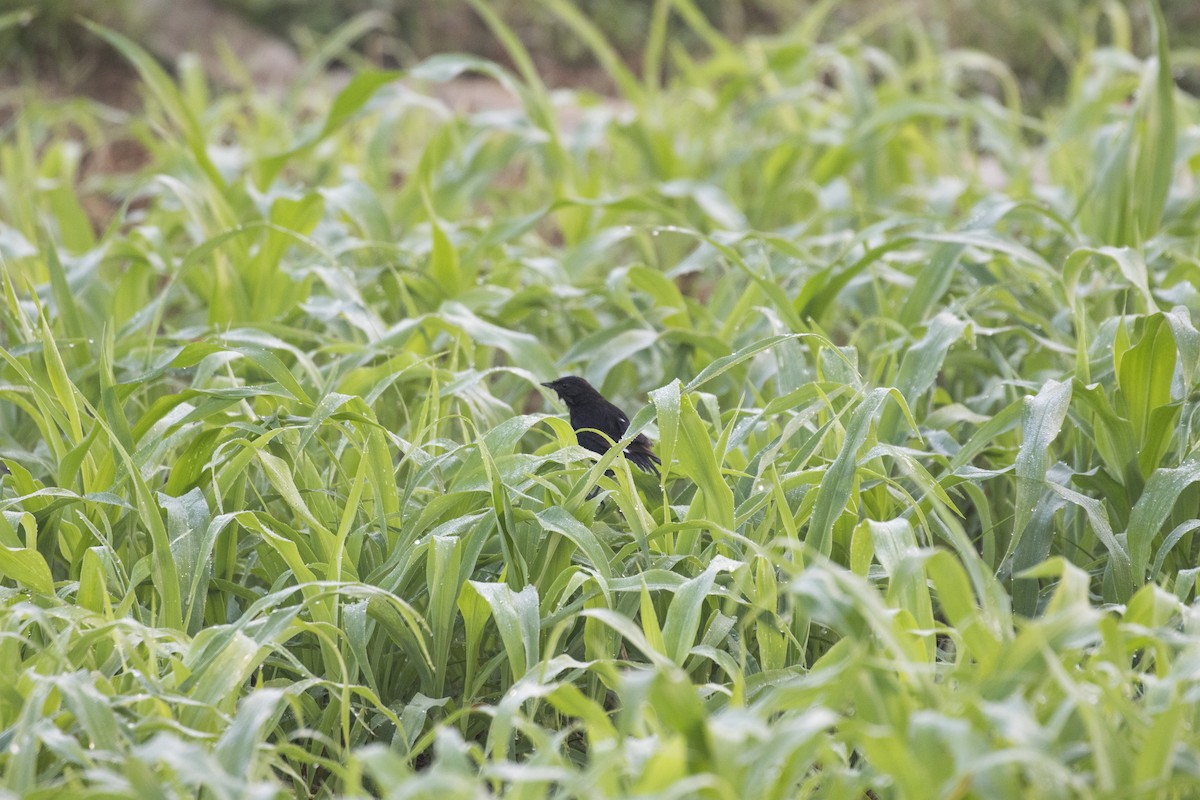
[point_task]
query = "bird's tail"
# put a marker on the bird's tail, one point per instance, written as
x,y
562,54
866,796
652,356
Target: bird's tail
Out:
x,y
644,460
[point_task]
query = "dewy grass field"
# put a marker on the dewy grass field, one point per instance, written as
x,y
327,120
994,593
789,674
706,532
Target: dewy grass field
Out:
x,y
287,514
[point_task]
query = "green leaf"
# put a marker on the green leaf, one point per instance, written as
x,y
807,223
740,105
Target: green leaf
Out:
x,y
444,263
1153,169
920,367
1150,512
1144,377
839,481
238,746
167,93
1118,562
516,617
27,567
558,520
1041,422
687,438
683,616
361,88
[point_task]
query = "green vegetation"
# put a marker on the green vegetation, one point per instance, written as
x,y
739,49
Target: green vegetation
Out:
x,y
283,515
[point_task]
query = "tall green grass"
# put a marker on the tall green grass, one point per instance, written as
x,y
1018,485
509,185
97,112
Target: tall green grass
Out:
x,y
285,513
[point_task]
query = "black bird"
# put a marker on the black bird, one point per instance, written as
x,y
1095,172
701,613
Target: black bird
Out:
x,y
589,409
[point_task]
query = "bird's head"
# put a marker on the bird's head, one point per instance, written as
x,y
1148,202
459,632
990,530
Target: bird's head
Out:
x,y
572,389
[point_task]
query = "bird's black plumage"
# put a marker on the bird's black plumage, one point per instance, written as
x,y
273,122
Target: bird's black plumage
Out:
x,y
589,409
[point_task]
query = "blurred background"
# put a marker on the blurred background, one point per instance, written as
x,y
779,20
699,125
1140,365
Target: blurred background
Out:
x,y
268,41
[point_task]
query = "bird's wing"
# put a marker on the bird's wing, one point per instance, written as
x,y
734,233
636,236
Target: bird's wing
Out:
x,y
592,441
611,420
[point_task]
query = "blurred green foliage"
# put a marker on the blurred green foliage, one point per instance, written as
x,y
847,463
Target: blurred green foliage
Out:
x,y
1038,40
48,26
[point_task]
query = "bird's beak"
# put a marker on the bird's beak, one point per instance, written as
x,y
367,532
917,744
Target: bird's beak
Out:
x,y
549,384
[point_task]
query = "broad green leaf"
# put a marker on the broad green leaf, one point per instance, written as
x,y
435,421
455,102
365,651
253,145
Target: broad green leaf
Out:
x,y
1041,422
27,567
516,617
683,616
695,449
839,480
350,100
1146,519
